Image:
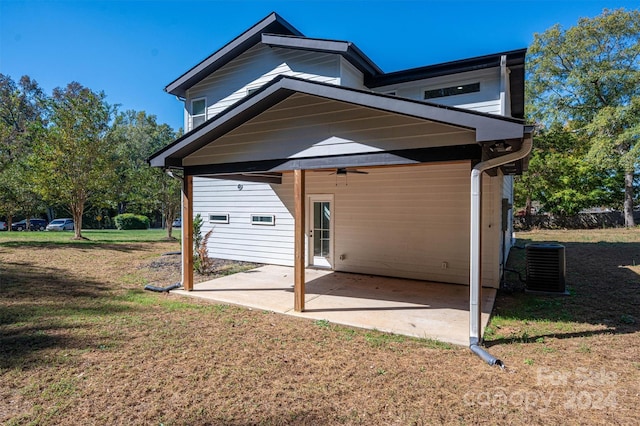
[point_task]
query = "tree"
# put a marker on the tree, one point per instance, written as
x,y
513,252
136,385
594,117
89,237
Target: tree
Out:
x,y
587,79
561,180
167,191
143,189
73,160
21,115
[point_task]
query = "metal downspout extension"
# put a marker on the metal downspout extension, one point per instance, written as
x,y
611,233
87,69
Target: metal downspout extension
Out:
x,y
475,311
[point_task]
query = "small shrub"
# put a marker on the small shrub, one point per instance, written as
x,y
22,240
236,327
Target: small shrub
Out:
x,y
131,221
201,261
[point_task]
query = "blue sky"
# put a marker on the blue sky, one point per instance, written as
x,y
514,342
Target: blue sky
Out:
x,y
132,49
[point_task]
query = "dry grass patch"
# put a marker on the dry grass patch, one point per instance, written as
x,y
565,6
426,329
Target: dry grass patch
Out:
x,y
82,343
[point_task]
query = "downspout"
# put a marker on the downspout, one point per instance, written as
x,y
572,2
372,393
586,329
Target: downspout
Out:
x,y
475,258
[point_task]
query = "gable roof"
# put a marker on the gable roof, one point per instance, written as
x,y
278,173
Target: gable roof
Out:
x,y
274,30
273,23
487,127
345,48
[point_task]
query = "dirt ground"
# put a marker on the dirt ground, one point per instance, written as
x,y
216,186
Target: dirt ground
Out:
x,y
82,343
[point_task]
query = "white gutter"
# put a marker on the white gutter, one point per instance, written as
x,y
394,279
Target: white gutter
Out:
x,y
475,256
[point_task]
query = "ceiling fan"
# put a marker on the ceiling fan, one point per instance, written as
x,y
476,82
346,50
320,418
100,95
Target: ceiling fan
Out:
x,y
343,171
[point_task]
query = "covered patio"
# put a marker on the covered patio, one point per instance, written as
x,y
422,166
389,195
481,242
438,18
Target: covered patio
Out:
x,y
292,130
407,307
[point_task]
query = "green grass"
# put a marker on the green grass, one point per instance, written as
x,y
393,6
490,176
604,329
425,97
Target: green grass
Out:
x,y
79,337
95,236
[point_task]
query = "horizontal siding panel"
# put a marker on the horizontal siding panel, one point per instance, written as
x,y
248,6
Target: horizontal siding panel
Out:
x,y
350,76
257,236
402,221
324,132
489,107
221,240
256,67
489,88
239,239
398,221
285,260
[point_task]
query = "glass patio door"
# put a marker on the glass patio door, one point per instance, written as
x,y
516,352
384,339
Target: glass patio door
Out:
x,y
320,235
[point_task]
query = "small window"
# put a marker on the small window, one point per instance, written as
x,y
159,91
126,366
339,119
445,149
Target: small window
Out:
x,y
198,112
219,218
263,219
452,91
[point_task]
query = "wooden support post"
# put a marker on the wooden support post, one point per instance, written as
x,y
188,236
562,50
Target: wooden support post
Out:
x,y
187,233
299,224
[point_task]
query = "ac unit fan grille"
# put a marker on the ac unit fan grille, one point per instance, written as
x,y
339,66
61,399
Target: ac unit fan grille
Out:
x,y
546,269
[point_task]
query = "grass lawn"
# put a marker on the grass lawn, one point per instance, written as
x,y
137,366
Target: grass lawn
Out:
x,y
82,343
94,236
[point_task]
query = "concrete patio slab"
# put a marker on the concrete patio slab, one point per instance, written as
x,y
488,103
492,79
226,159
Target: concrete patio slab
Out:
x,y
408,307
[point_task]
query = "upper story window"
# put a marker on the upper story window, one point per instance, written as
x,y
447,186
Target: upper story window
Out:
x,y
452,91
198,112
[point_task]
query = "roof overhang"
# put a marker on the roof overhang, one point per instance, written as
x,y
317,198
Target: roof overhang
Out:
x,y
492,132
345,48
273,23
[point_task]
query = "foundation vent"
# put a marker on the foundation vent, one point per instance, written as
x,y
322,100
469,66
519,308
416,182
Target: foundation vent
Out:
x,y
546,268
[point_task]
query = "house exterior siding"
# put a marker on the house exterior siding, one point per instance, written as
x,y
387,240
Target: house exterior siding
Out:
x,y
239,239
396,221
305,126
486,100
507,194
258,66
350,76
421,213
403,218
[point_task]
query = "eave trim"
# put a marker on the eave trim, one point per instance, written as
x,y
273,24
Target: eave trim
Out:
x,y
271,23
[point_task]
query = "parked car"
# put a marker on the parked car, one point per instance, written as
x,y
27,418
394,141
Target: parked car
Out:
x,y
60,225
34,225
3,226
177,223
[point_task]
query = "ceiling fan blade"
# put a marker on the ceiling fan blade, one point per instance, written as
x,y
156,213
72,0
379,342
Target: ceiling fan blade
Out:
x,y
341,171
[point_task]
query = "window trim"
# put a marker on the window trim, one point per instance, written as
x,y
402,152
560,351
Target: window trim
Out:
x,y
450,90
261,223
226,220
192,116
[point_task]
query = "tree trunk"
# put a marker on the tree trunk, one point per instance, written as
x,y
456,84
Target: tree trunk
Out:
x,y
76,212
628,199
169,216
169,225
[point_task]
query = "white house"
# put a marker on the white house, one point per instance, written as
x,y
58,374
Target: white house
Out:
x,y
301,151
